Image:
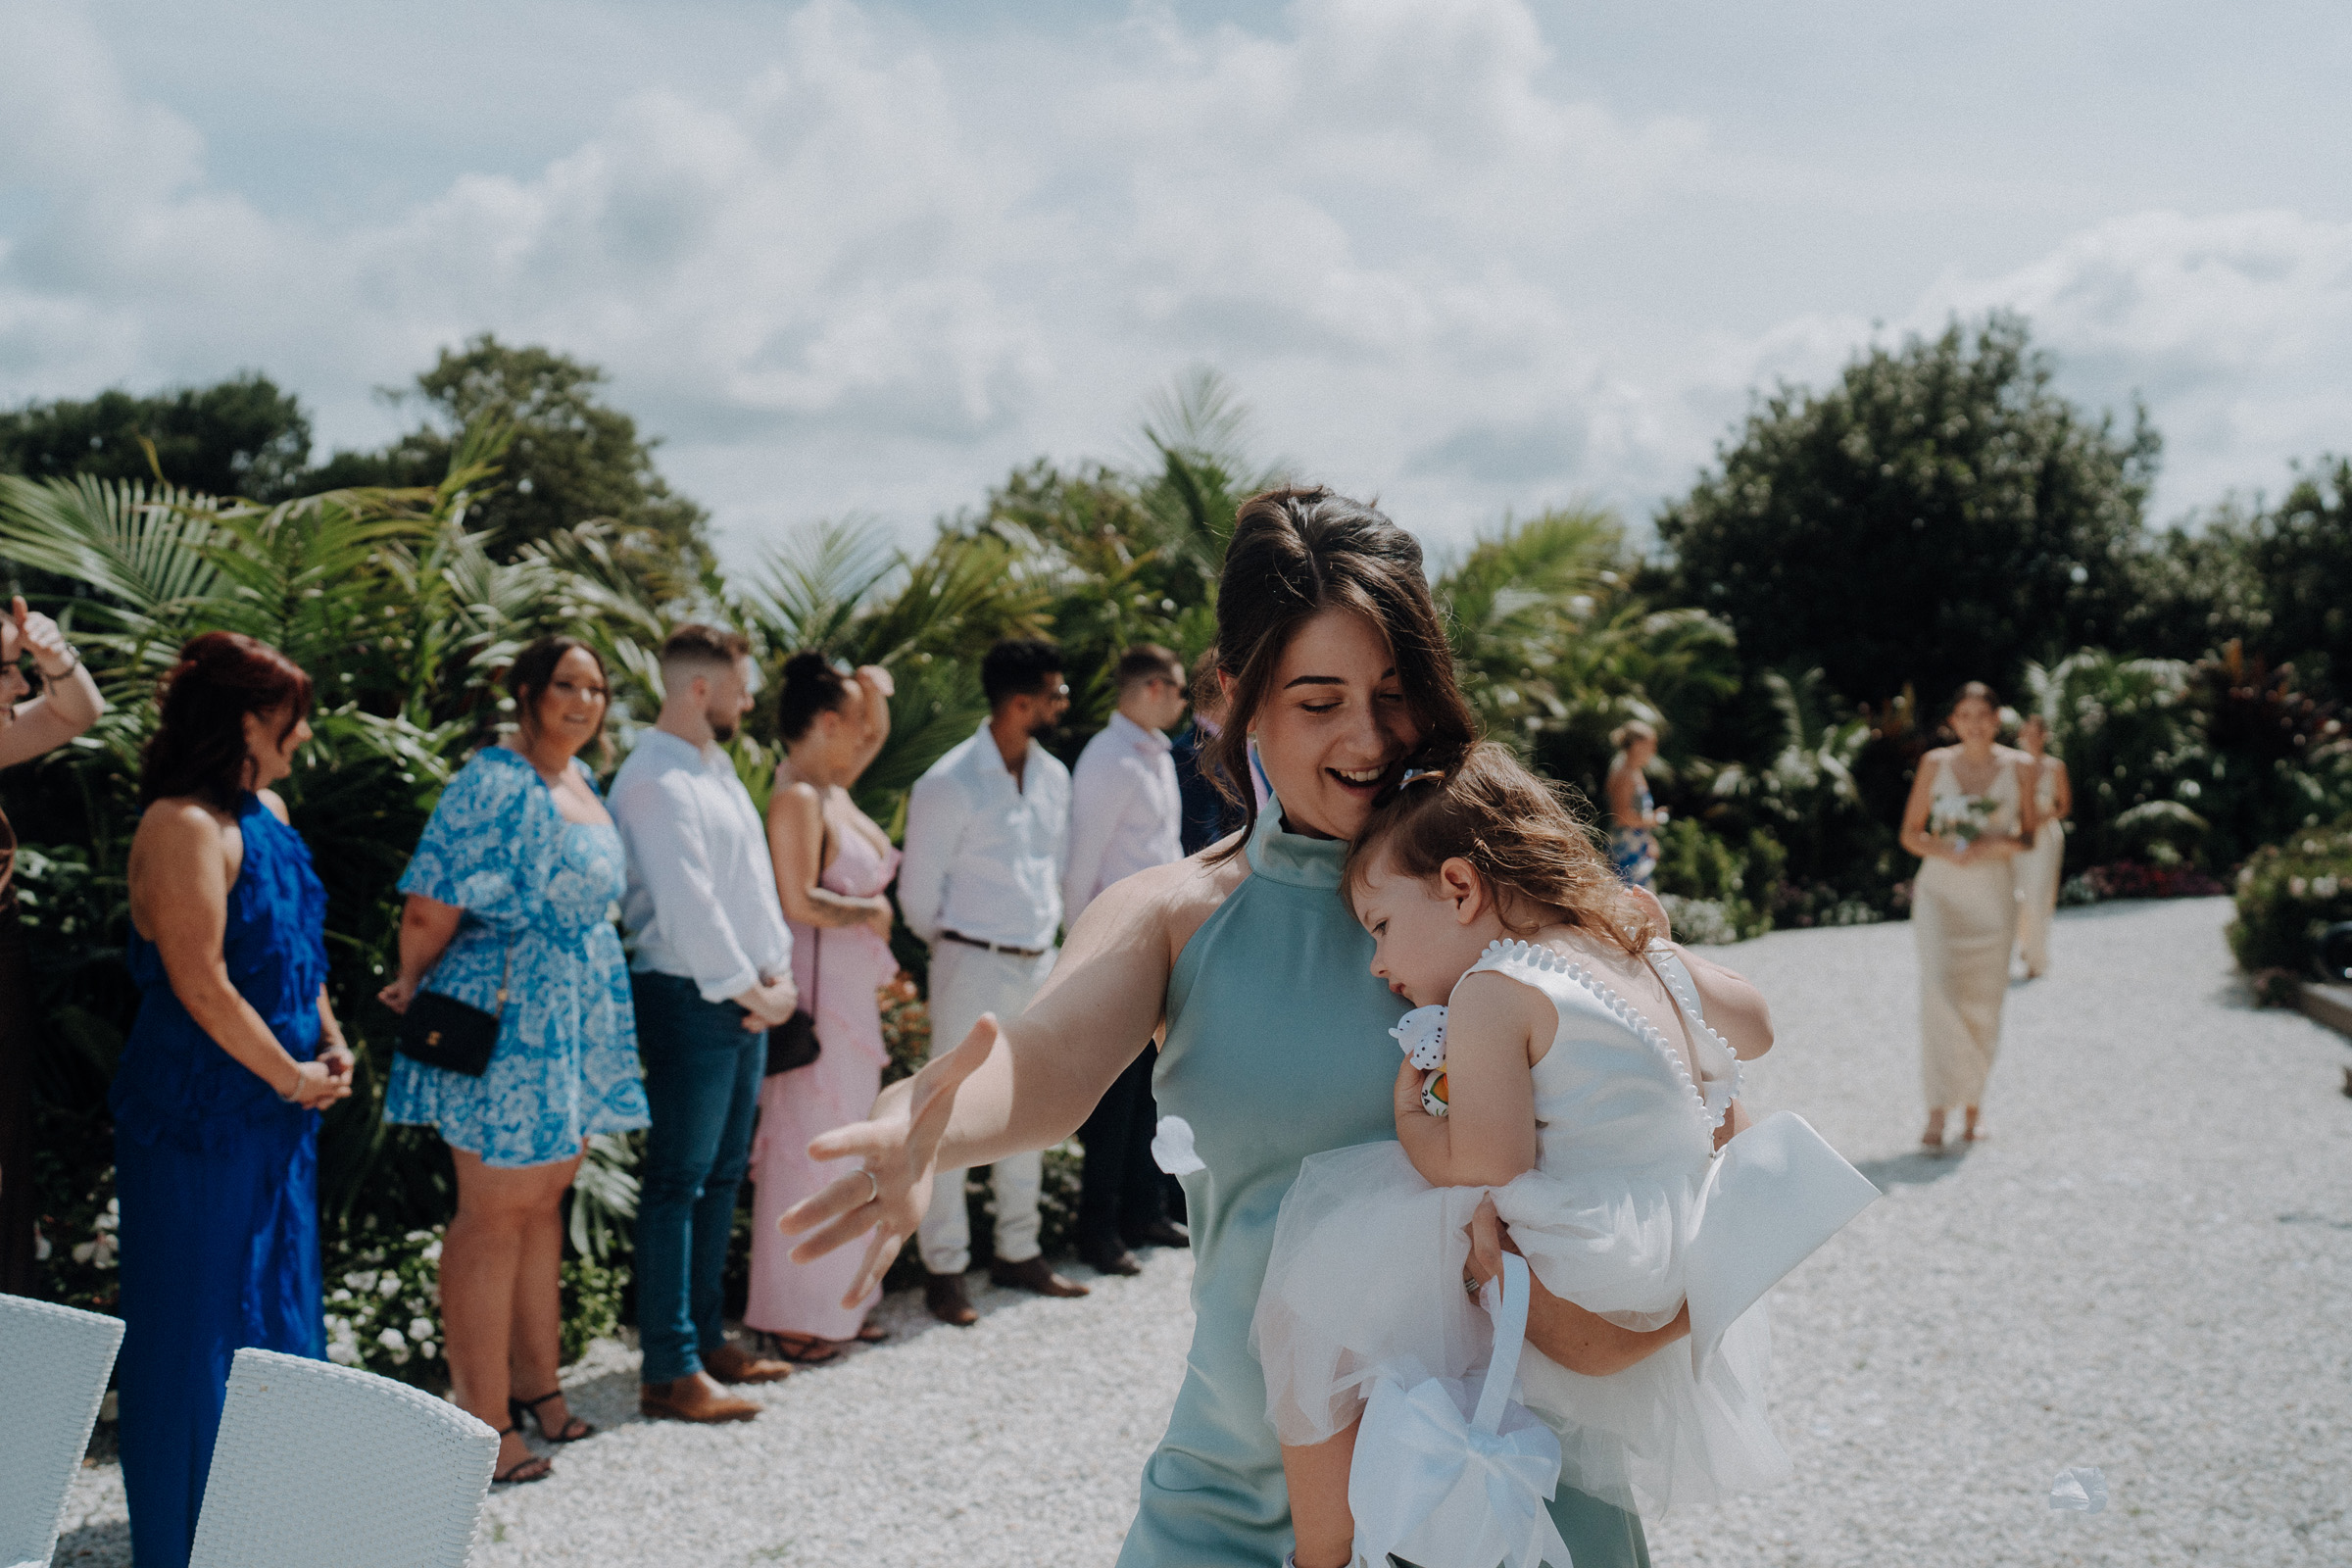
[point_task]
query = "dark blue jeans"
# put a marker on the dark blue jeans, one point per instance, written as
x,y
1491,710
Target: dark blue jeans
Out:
x,y
702,1081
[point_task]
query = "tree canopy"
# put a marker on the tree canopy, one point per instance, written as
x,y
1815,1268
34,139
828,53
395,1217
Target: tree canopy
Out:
x,y
1940,514
571,459
2303,551
242,437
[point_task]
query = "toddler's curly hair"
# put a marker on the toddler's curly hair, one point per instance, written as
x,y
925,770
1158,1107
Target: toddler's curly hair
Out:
x,y
1517,834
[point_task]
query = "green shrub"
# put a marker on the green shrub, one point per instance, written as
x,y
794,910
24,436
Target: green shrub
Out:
x,y
1716,891
593,1297
2287,894
2160,832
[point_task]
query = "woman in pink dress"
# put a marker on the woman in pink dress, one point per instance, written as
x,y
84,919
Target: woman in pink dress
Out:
x,y
832,863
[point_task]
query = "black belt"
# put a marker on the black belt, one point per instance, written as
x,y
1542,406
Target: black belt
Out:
x,y
992,947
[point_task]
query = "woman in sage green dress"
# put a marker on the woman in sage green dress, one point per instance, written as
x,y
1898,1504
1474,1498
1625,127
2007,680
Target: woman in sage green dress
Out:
x,y
1277,1042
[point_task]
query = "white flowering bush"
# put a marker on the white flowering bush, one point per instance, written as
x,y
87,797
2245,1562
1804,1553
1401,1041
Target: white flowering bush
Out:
x,y
99,1251
383,1307
76,1245
2287,894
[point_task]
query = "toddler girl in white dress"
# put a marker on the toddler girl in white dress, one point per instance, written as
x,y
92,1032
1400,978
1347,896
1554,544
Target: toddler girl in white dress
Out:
x,y
1586,1088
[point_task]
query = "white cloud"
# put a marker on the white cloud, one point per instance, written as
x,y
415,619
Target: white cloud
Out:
x,y
2232,328
2235,328
871,269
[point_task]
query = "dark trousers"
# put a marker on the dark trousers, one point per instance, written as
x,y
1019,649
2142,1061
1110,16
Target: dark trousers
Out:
x,y
702,1084
1121,1189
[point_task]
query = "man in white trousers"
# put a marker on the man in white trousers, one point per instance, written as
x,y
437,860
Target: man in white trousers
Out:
x,y
987,841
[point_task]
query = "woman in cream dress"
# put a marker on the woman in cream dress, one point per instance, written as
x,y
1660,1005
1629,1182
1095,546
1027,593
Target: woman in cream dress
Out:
x,y
2037,868
1969,814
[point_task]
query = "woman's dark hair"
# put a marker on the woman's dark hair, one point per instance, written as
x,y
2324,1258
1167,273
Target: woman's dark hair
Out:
x,y
528,677
1296,552
812,686
199,747
1517,834
1981,691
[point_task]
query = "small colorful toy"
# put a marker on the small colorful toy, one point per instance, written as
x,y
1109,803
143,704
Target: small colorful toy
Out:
x,y
1421,1035
1433,1093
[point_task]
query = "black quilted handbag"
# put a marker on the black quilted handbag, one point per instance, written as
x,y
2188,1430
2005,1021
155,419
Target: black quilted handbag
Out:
x,y
440,1031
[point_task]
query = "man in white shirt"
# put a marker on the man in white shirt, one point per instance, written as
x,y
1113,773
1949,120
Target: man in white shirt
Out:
x,y
987,840
711,973
1126,816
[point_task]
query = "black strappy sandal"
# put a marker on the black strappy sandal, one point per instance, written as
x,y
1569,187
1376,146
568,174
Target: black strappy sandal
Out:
x,y
512,1475
574,1430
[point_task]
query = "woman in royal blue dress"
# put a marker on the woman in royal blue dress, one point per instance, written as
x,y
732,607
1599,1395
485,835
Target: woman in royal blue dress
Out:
x,y
512,888
232,1055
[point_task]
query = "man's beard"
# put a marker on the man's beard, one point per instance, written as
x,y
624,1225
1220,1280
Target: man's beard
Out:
x,y
723,730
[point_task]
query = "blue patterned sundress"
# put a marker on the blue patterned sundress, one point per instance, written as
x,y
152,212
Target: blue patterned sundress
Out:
x,y
538,892
1634,850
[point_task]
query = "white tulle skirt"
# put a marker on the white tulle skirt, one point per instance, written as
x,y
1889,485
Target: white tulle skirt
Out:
x,y
1365,1282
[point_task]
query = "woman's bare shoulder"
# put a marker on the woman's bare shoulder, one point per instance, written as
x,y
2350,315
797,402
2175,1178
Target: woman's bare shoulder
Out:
x,y
797,797
1166,903
181,844
1190,888
179,820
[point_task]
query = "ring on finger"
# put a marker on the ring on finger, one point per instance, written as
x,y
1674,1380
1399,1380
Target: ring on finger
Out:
x,y
875,1181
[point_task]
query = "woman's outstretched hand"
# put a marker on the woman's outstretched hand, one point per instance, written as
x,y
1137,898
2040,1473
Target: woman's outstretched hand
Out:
x,y
896,1152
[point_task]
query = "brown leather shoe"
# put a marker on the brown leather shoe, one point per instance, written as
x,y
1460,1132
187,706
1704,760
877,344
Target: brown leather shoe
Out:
x,y
944,1294
1034,1274
732,1363
692,1398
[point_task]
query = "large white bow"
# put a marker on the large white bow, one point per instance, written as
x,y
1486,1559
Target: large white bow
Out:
x,y
1445,1484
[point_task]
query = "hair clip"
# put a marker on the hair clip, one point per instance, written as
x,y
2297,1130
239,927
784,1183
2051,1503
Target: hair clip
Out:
x,y
1413,775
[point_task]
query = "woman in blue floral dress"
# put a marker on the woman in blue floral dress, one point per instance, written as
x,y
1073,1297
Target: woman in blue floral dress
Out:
x,y
515,880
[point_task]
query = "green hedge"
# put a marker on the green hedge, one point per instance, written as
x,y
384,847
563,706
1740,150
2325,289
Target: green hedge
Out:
x,y
1714,890
2287,894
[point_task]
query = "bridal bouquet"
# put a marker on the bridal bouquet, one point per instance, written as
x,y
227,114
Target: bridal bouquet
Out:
x,y
1964,820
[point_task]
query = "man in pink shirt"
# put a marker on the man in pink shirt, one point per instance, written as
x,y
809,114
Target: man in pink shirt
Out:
x,y
1126,816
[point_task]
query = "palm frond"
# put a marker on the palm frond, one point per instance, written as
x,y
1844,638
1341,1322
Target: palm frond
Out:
x,y
809,593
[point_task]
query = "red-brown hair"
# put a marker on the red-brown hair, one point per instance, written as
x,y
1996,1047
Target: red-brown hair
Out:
x,y
1517,834
199,747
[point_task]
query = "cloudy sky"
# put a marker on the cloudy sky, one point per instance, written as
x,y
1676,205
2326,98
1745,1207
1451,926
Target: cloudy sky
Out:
x,y
1477,256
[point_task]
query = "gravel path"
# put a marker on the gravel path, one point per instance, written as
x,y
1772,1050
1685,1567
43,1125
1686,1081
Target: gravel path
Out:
x,y
2146,1270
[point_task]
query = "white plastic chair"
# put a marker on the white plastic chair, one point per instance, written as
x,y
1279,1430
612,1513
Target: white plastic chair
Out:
x,y
317,1464
54,1363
